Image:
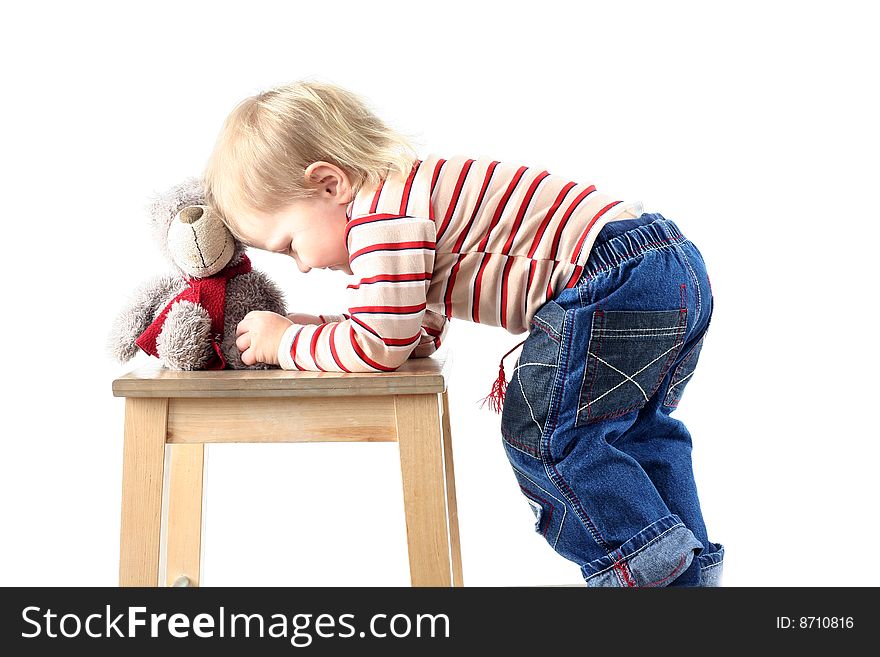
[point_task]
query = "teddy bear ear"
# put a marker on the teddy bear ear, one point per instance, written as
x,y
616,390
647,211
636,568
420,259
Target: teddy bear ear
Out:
x,y
162,207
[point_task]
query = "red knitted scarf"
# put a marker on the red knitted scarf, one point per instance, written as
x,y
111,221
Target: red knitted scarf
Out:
x,y
208,292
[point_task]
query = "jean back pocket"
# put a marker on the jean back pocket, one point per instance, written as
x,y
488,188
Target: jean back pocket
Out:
x,y
529,391
683,372
629,353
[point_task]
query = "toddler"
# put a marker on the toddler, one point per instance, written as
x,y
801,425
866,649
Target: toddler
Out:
x,y
616,303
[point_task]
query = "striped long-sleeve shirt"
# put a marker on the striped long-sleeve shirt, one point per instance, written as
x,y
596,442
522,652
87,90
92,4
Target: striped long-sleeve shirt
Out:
x,y
466,238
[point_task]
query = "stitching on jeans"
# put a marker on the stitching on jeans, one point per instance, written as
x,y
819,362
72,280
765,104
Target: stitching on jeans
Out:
x,y
623,568
517,445
553,475
523,390
636,335
615,570
593,377
524,364
591,400
544,326
684,378
676,571
656,328
675,396
644,547
687,263
547,504
608,416
662,244
682,322
561,503
628,377
576,504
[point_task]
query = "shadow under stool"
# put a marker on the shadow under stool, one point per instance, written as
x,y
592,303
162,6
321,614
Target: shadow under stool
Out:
x,y
175,414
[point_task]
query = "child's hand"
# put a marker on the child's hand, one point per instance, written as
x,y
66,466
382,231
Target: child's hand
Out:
x,y
258,336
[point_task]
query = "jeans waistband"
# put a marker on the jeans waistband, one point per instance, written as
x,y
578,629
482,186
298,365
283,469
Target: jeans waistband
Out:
x,y
621,240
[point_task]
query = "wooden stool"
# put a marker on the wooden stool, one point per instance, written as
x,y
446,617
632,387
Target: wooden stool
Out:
x,y
181,411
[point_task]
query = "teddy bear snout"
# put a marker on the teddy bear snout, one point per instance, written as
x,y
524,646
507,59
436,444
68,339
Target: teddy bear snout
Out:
x,y
198,242
191,214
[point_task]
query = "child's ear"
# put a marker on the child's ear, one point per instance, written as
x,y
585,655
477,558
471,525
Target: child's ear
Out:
x,y
328,177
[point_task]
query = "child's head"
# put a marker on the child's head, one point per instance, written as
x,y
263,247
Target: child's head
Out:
x,y
289,160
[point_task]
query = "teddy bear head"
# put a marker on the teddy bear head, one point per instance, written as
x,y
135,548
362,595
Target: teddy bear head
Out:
x,y
193,237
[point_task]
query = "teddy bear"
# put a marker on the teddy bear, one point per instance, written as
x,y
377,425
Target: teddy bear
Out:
x,y
187,318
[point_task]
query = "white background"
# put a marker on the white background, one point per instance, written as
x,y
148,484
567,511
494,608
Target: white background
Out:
x,y
753,126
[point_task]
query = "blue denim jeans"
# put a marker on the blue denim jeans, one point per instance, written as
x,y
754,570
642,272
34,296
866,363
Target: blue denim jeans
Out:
x,y
586,421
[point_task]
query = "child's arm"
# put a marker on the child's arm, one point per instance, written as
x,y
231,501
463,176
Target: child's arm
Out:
x,y
305,318
392,257
434,329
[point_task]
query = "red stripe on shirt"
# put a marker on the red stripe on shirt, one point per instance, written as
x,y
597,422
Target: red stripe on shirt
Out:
x,y
450,286
391,342
575,276
522,210
436,333
314,344
391,278
333,349
525,305
464,231
453,202
504,276
363,356
375,203
475,311
391,310
404,201
392,246
437,168
577,201
369,328
546,221
580,242
293,348
501,205
369,219
402,342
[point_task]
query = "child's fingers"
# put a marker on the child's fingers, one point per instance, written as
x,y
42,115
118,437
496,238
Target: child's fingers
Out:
x,y
243,342
248,358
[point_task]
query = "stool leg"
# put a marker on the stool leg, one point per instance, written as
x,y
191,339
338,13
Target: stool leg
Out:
x,y
454,541
424,489
143,463
185,491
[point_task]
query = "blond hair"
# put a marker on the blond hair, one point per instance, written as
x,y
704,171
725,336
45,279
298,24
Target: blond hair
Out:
x,y
269,139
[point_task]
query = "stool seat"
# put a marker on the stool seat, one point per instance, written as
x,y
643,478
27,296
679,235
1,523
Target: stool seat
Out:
x,y
170,415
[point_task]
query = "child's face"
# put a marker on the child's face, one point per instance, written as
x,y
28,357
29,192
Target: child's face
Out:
x,y
311,231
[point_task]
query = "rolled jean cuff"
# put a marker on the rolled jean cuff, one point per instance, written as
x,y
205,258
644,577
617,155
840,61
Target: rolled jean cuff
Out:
x,y
711,566
654,557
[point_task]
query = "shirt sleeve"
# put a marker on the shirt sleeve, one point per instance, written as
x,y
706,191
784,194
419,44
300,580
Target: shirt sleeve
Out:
x,y
434,329
392,259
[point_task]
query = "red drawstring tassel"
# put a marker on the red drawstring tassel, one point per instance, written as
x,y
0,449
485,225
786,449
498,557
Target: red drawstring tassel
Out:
x,y
499,387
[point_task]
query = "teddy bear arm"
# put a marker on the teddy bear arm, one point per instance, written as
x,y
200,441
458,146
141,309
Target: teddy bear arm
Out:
x,y
184,343
142,307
